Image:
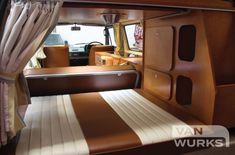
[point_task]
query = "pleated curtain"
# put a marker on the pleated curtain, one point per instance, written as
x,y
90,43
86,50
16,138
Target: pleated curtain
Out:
x,y
27,26
118,37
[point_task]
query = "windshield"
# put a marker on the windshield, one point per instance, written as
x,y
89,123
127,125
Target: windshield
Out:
x,y
75,39
54,39
86,34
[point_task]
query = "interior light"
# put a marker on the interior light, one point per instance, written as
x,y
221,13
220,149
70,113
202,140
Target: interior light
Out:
x,y
110,18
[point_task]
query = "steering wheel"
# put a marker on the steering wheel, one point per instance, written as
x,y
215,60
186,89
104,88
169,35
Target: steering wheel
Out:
x,y
93,43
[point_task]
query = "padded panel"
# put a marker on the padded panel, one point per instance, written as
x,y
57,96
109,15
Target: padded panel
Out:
x,y
159,47
56,56
158,83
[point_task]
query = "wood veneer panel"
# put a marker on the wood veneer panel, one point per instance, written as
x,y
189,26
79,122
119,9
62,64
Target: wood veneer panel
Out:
x,y
220,33
91,13
199,70
159,47
206,4
158,83
74,70
224,113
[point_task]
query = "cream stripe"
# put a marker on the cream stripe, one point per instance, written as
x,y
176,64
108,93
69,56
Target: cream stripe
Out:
x,y
126,117
142,123
150,123
154,123
80,142
68,142
152,118
51,128
151,106
23,144
35,137
46,143
56,136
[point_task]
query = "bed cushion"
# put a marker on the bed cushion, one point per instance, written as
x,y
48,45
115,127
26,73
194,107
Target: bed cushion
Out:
x,y
98,122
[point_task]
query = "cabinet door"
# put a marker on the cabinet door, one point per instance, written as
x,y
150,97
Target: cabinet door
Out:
x,y
159,48
158,83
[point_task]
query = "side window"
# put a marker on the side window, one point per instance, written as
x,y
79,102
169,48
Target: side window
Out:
x,y
112,39
134,35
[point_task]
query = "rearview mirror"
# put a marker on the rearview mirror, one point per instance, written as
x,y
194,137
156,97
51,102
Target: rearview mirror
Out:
x,y
75,28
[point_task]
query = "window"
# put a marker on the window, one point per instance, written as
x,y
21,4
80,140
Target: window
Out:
x,y
112,39
76,40
134,35
87,34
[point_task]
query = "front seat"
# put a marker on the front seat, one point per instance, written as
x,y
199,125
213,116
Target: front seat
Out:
x,y
56,56
101,48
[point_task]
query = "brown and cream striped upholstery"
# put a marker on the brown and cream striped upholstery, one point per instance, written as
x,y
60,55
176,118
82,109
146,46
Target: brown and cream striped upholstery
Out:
x,y
92,123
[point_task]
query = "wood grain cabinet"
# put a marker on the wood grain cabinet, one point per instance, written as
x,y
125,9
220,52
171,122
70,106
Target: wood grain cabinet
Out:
x,y
159,83
189,63
159,47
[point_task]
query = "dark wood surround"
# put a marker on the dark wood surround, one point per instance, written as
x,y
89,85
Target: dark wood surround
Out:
x,y
90,13
194,4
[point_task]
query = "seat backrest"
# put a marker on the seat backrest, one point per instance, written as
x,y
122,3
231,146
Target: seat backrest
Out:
x,y
100,48
56,56
80,79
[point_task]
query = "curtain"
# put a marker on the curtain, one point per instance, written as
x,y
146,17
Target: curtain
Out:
x,y
26,28
118,34
34,61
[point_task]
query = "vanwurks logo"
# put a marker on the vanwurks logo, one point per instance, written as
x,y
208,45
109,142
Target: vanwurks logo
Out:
x,y
200,136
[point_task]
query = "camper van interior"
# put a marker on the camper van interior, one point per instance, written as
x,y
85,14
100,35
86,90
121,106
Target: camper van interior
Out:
x,y
117,77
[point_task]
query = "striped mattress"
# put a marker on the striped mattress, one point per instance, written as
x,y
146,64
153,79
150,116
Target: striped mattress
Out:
x,y
93,123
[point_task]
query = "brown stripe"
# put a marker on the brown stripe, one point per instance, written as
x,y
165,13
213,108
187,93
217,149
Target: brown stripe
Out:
x,y
103,129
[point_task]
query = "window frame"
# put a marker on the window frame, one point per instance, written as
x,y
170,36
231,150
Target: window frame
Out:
x,y
113,42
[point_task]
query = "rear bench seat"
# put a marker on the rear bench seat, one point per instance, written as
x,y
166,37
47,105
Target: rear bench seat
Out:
x,y
69,80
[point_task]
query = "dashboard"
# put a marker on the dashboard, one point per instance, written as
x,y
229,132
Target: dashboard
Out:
x,y
77,55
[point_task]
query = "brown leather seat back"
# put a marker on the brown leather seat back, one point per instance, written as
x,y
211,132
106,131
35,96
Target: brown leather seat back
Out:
x,y
96,49
56,56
